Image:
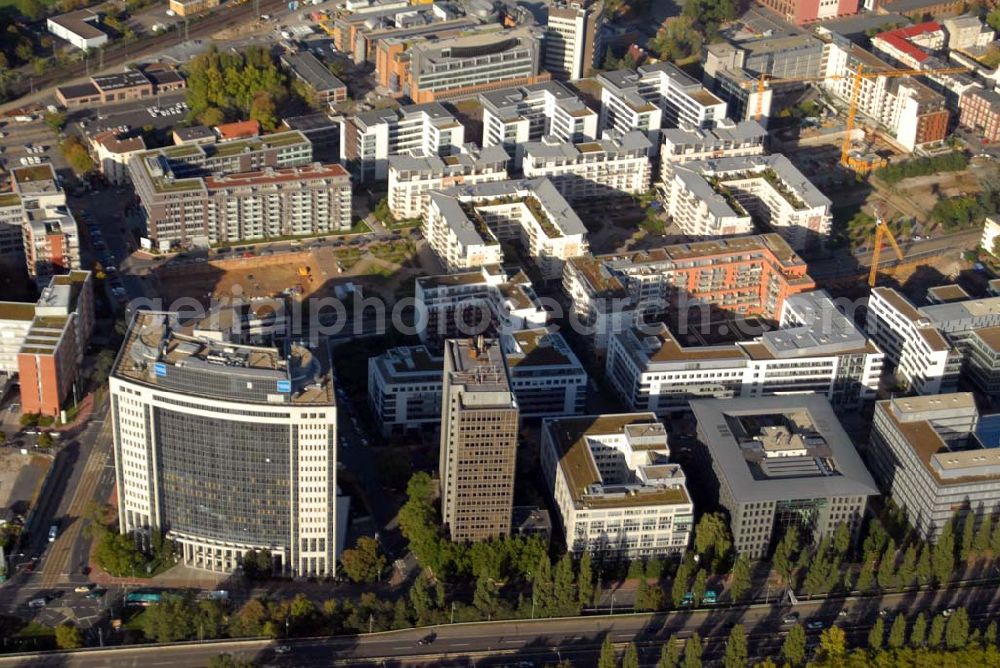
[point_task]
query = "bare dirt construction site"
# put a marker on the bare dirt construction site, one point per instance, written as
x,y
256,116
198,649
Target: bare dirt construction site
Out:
x,y
923,192
385,269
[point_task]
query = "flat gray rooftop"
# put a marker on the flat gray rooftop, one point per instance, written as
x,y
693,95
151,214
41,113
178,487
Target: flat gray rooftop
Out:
x,y
839,471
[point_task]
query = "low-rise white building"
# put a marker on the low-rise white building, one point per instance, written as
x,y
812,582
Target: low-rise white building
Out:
x,y
466,225
814,349
113,153
617,494
405,384
488,300
601,168
723,197
411,177
79,28
513,117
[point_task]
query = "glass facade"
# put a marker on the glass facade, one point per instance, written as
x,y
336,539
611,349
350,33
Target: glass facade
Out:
x,y
224,480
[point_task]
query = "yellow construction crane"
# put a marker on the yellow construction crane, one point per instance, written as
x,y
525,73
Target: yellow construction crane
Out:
x,y
882,231
857,76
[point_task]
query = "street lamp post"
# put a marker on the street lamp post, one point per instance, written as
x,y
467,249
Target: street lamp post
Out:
x,y
612,603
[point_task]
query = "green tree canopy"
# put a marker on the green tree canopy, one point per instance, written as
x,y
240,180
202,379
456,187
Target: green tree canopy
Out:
x,y
365,562
68,636
692,652
737,652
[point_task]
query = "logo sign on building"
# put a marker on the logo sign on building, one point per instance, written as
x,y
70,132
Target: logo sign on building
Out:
x,y
284,386
160,369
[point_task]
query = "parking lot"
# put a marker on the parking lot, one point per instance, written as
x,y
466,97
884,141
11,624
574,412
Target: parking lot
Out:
x,y
29,144
163,111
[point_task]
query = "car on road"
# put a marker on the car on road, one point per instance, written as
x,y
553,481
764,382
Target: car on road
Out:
x,y
37,602
84,588
815,625
282,649
95,594
790,618
427,639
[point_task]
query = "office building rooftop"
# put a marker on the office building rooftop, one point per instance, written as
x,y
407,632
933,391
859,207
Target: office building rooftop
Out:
x,y
781,448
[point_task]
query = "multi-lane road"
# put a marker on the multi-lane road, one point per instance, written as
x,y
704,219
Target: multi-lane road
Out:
x,y
541,641
81,473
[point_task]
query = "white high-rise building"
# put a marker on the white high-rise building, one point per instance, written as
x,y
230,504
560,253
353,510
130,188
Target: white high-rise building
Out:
x,y
573,45
226,448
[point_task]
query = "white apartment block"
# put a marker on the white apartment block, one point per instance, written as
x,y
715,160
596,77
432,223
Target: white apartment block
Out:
x,y
369,138
915,341
405,384
226,448
913,113
489,300
726,140
617,494
232,207
601,168
411,177
815,349
466,225
726,196
933,458
573,44
515,116
653,97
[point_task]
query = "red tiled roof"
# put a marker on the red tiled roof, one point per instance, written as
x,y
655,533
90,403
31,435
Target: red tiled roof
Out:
x,y
900,38
240,130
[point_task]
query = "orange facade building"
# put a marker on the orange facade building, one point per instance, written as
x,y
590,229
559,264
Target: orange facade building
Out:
x,y
49,340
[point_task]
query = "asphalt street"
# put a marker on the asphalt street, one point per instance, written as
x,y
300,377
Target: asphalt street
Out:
x,y
82,471
542,640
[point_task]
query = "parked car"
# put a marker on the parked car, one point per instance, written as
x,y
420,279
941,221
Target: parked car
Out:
x,y
790,618
815,625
